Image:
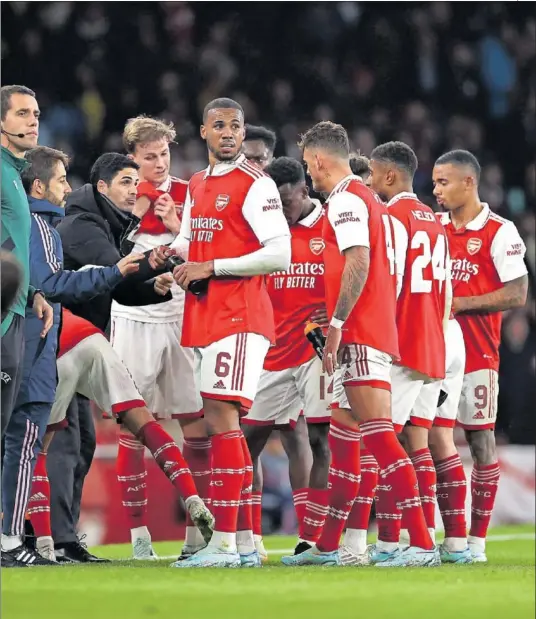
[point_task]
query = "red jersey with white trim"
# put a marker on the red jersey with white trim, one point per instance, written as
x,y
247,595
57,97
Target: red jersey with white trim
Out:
x,y
73,330
357,217
421,251
485,254
152,233
297,293
230,212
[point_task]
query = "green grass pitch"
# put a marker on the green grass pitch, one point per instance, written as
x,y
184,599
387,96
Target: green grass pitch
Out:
x,y
505,587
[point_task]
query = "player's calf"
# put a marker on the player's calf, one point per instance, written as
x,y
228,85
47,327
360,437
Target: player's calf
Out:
x,y
484,485
451,490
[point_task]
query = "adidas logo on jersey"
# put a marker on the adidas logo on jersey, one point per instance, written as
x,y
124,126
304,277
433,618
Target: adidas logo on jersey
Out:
x,y
39,496
168,464
347,375
219,385
479,415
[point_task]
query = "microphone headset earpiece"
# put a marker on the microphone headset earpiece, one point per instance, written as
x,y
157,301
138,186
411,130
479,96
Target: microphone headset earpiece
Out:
x,y
14,135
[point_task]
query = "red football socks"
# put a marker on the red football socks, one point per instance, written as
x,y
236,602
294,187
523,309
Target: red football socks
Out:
x,y
256,509
451,495
300,503
228,470
360,515
196,452
314,516
398,490
168,457
426,478
132,478
245,512
39,502
484,486
344,481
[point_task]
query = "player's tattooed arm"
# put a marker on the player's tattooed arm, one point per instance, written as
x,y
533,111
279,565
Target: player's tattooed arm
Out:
x,y
354,277
513,294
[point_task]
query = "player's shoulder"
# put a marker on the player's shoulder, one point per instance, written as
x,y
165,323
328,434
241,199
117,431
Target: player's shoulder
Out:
x,y
175,180
251,170
196,179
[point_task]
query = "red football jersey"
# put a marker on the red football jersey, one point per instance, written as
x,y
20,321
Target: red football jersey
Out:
x,y
485,254
150,223
421,251
73,330
357,217
297,293
229,213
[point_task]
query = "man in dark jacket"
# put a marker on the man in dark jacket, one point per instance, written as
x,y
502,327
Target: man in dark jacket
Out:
x,y
91,233
45,179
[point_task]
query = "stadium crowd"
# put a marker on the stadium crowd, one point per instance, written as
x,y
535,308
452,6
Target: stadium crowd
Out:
x,y
125,254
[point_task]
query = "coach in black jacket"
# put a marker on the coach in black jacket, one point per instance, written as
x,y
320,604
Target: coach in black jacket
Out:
x,y
91,234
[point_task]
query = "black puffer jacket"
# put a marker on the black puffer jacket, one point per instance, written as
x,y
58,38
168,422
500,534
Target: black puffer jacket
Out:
x,y
91,233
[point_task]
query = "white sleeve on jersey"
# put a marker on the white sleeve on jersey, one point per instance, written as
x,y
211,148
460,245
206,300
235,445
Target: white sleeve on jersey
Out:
x,y
181,242
348,216
507,252
401,241
263,211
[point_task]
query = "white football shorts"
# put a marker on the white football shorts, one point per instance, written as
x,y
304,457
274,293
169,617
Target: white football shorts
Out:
x,y
161,368
360,366
93,369
284,394
230,368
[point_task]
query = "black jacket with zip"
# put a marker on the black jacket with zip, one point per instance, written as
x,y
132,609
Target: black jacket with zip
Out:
x,y
91,234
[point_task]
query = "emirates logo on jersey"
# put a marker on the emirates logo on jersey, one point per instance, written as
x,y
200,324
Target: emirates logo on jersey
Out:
x,y
221,201
473,245
317,246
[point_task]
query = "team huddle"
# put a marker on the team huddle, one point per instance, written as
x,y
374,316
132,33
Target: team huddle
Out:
x,y
406,308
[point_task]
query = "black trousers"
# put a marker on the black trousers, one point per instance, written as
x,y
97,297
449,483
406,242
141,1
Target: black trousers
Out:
x,y
69,458
11,366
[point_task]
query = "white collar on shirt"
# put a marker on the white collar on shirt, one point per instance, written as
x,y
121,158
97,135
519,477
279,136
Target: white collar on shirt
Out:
x,y
342,181
225,167
478,222
166,185
401,196
313,216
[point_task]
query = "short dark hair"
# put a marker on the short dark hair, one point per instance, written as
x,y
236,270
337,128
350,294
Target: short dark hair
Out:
x,y
108,166
329,136
460,157
359,164
255,132
286,170
221,103
8,91
42,160
398,154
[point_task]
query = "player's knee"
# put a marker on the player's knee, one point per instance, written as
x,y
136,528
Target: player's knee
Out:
x,y
318,439
482,446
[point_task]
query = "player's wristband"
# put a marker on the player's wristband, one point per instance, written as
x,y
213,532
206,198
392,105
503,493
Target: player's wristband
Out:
x,y
335,322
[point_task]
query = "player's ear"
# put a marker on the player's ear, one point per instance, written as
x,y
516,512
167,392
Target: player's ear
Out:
x,y
203,132
304,191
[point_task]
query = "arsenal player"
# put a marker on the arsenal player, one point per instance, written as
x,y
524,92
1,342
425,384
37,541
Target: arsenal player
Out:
x,y
148,338
292,381
87,364
361,302
423,307
233,233
259,145
489,276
